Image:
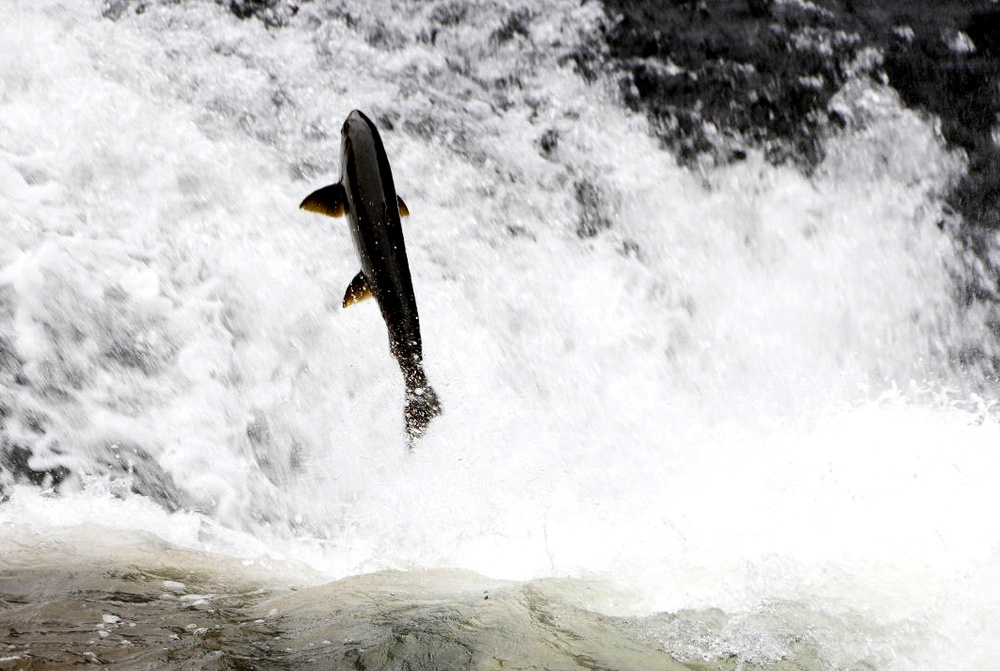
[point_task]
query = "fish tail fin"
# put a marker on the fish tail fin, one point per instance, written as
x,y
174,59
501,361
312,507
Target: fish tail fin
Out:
x,y
422,406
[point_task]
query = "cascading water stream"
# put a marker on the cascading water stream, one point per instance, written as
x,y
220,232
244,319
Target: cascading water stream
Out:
x,y
730,388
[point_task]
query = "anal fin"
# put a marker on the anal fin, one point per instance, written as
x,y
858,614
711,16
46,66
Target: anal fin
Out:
x,y
357,291
330,200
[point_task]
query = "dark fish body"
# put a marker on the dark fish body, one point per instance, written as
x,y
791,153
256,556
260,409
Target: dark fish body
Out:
x,y
367,195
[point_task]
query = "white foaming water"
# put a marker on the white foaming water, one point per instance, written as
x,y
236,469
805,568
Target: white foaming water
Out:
x,y
738,391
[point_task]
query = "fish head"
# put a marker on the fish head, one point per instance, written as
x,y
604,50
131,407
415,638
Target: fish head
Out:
x,y
357,132
357,125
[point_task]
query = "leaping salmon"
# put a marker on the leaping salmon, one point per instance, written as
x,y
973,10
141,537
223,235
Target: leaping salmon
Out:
x,y
367,195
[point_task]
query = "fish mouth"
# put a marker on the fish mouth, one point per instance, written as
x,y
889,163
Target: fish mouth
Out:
x,y
356,120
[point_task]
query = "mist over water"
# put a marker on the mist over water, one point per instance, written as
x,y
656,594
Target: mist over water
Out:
x,y
732,388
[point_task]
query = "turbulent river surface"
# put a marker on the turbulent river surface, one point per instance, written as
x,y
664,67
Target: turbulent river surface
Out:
x,y
715,337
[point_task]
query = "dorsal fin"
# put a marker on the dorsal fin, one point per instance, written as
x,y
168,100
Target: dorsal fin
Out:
x,y
357,291
330,200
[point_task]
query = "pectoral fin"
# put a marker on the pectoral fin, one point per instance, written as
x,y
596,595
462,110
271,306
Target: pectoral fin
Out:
x,y
330,200
357,291
404,211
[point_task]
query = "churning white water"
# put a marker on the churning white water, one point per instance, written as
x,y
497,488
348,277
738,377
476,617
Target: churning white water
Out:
x,y
724,388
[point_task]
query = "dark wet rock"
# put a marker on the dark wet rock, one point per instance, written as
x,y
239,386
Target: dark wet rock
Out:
x,y
548,143
760,8
717,79
950,66
721,78
274,13
139,473
16,467
978,194
129,468
944,59
761,74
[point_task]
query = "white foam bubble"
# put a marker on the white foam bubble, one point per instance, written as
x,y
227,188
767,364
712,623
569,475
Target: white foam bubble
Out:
x,y
740,389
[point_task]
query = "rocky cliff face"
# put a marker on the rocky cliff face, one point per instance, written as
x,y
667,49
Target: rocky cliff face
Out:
x,y
720,77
